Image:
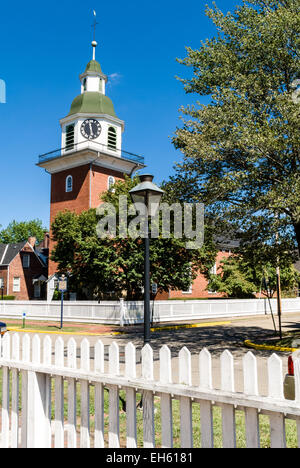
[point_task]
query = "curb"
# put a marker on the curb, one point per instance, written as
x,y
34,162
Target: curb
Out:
x,y
249,344
192,325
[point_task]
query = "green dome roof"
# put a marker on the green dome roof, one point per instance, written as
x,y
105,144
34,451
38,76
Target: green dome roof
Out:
x,y
93,66
92,103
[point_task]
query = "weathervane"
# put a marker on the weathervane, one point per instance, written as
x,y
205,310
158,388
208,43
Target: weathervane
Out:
x,y
94,43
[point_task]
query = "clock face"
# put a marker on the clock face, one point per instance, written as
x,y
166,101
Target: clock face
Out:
x,y
90,129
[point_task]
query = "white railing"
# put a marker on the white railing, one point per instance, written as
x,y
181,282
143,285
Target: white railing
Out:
x,y
122,312
60,400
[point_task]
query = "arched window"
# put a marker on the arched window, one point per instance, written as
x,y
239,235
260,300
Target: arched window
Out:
x,y
70,137
112,138
111,183
84,85
69,183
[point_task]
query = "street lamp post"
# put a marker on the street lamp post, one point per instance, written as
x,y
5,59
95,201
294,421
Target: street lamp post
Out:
x,y
62,287
149,195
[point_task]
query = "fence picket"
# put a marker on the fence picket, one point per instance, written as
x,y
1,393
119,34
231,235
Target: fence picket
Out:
x,y
5,392
130,373
99,396
206,413
24,391
59,396
85,396
275,380
114,369
39,428
72,394
166,400
15,393
36,349
185,378
251,388
228,411
148,398
47,351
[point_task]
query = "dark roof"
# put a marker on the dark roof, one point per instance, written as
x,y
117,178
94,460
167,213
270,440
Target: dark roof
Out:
x,y
9,251
226,243
2,250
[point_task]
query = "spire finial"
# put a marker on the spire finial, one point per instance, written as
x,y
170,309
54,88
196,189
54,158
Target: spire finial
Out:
x,y
94,43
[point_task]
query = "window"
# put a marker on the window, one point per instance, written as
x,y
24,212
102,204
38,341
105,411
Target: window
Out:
x,y
16,285
84,85
111,183
190,290
1,283
70,137
69,183
26,261
112,138
213,270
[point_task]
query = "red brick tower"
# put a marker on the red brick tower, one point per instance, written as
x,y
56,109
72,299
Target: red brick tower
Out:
x,y
91,158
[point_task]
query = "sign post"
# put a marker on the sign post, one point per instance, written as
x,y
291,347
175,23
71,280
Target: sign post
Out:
x,y
62,287
24,319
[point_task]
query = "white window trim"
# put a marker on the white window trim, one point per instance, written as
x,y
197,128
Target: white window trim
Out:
x,y
190,291
109,187
17,287
69,190
214,269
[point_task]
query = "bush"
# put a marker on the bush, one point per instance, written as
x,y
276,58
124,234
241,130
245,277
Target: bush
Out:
x,y
8,298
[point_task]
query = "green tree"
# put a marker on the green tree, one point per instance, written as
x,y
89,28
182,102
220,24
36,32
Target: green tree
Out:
x,y
100,267
20,231
243,274
241,154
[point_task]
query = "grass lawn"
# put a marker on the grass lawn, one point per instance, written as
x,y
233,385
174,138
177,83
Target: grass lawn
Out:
x,y
68,327
287,339
291,432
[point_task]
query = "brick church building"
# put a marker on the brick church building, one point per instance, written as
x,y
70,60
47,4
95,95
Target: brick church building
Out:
x,y
91,160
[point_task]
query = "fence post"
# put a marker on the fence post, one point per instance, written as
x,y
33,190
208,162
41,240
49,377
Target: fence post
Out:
x,y
38,428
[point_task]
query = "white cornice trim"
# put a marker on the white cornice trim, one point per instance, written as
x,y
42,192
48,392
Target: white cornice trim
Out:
x,y
70,118
93,73
84,157
3,257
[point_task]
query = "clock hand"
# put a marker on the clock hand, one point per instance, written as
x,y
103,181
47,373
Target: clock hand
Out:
x,y
91,130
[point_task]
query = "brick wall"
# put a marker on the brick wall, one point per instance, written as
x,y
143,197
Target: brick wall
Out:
x,y
26,275
87,187
199,287
3,275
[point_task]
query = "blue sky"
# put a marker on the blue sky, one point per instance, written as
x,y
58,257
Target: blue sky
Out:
x,y
44,46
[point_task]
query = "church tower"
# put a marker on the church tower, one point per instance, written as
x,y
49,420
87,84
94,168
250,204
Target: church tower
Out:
x,y
91,158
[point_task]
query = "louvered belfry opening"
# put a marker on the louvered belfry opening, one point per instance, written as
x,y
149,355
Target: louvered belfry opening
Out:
x,y
70,137
112,138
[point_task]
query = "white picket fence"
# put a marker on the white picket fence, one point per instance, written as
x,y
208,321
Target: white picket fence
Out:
x,y
122,312
42,383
